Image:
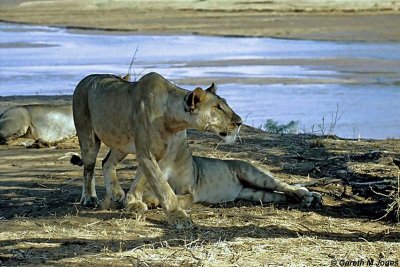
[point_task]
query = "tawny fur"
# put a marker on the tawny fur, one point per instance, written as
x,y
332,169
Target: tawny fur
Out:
x,y
41,122
142,118
194,179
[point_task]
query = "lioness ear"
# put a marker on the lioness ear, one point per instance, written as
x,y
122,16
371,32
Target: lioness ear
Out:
x,y
212,88
195,97
127,77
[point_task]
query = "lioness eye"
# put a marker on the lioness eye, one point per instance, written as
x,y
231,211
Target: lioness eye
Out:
x,y
219,107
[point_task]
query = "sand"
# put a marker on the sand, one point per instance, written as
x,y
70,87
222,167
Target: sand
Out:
x,y
357,20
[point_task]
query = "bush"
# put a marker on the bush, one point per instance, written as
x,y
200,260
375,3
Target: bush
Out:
x,y
272,126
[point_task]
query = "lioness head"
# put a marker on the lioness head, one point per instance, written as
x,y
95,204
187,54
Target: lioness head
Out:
x,y
211,112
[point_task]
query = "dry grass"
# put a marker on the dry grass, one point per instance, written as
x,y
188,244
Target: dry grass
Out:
x,y
281,237
42,224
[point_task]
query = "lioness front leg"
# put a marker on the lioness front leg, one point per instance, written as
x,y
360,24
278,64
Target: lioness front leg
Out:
x,y
168,200
253,177
141,192
133,200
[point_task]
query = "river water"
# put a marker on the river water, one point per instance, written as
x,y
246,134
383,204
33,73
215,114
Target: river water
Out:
x,y
261,78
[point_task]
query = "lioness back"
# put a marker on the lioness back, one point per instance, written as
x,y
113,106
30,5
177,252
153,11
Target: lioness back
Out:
x,y
108,106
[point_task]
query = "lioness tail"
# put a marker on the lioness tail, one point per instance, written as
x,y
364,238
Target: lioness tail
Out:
x,y
76,160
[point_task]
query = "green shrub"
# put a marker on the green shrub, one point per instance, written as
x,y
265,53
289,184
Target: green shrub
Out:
x,y
272,126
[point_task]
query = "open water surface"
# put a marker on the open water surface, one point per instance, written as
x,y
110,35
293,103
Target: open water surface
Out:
x,y
261,78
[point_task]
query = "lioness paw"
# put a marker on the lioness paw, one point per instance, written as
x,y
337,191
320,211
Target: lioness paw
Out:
x,y
317,199
89,201
185,201
108,204
135,206
179,219
118,194
308,198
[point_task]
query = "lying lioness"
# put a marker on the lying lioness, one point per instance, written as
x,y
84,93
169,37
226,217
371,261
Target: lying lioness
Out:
x,y
194,179
47,123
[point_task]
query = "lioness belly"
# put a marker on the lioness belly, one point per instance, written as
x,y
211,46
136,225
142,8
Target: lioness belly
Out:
x,y
118,140
215,181
48,123
54,126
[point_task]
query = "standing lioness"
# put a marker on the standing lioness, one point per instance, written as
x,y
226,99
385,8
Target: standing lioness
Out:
x,y
142,118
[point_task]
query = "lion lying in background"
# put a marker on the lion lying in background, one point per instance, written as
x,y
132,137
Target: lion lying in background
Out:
x,y
39,122
105,111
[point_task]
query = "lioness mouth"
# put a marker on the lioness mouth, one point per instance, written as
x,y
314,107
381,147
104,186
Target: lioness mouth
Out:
x,y
223,134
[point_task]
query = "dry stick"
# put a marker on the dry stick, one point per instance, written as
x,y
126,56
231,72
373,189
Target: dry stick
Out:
x,y
227,154
238,134
319,182
187,249
396,201
334,120
378,193
140,73
216,147
130,65
384,182
136,75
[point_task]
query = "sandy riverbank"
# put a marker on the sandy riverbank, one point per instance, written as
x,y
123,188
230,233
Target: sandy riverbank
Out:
x,y
359,20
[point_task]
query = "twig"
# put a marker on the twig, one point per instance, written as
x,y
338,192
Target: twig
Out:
x,y
216,147
227,154
140,73
93,223
334,120
182,249
378,193
395,205
70,180
245,118
238,135
384,182
320,182
132,61
41,185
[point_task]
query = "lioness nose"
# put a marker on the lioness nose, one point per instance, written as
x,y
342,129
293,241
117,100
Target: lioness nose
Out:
x,y
237,120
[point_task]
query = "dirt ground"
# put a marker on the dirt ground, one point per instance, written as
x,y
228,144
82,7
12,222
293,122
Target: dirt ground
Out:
x,y
42,222
356,20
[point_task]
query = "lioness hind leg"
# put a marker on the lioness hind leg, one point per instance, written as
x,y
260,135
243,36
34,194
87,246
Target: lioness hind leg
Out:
x,y
253,177
89,150
260,195
113,189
